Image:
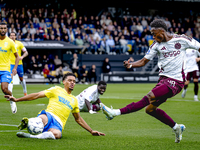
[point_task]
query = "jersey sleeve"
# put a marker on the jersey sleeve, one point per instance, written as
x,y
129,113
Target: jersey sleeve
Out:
x,y
151,53
50,92
13,47
22,47
76,109
192,43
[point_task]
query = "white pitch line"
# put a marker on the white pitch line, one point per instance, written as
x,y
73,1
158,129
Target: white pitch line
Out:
x,y
8,125
9,131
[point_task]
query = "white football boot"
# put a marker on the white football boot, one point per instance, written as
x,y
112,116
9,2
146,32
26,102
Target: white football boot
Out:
x,y
110,113
178,132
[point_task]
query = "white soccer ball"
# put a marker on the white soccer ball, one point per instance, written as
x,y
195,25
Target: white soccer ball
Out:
x,y
35,125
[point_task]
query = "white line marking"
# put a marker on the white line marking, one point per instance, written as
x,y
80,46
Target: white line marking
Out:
x,y
8,125
9,131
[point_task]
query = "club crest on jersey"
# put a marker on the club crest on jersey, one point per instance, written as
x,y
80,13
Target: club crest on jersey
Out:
x,y
6,44
177,46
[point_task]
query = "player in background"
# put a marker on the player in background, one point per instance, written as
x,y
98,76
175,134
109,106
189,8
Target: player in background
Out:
x,y
170,50
88,99
7,48
192,70
54,118
20,71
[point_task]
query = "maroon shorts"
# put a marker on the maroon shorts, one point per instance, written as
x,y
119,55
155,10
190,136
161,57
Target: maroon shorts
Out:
x,y
193,74
166,88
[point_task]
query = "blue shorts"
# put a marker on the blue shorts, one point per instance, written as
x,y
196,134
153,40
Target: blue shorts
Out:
x,y
52,122
5,76
20,70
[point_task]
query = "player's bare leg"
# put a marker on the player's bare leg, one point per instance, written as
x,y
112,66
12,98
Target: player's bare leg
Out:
x,y
4,88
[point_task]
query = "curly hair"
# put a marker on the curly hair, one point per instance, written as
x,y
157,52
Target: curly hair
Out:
x,y
159,23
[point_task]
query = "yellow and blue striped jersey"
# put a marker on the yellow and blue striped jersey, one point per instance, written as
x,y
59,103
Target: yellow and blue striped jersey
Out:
x,y
61,103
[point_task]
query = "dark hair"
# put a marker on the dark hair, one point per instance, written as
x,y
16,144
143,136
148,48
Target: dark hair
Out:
x,y
13,32
68,74
3,23
102,83
159,23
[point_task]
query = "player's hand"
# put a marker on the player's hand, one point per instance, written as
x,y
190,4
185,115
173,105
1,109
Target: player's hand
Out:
x,y
10,98
97,133
20,58
127,64
92,112
14,71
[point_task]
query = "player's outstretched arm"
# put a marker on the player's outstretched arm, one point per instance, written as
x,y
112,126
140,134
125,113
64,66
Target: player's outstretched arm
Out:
x,y
88,105
83,124
135,64
29,97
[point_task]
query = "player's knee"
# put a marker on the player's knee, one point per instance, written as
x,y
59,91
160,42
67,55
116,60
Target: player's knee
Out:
x,y
5,90
150,108
57,134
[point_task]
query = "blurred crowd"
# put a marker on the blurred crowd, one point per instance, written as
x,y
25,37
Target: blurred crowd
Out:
x,y
95,34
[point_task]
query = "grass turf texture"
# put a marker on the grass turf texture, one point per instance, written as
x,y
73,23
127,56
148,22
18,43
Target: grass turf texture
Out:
x,y
137,131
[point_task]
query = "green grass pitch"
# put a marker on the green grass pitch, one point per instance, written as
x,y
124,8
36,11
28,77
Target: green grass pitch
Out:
x,y
135,131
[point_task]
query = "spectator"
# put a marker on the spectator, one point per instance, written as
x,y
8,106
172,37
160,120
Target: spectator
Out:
x,y
45,60
117,45
38,36
88,31
83,75
86,43
189,32
139,27
138,46
110,46
106,67
25,29
71,37
47,73
144,22
42,23
123,43
12,29
39,63
93,45
33,65
59,74
36,19
32,30
134,27
57,62
144,46
74,64
80,43
92,74
36,24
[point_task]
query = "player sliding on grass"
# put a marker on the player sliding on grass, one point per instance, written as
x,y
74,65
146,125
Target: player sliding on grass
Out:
x,y
88,99
54,118
170,50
